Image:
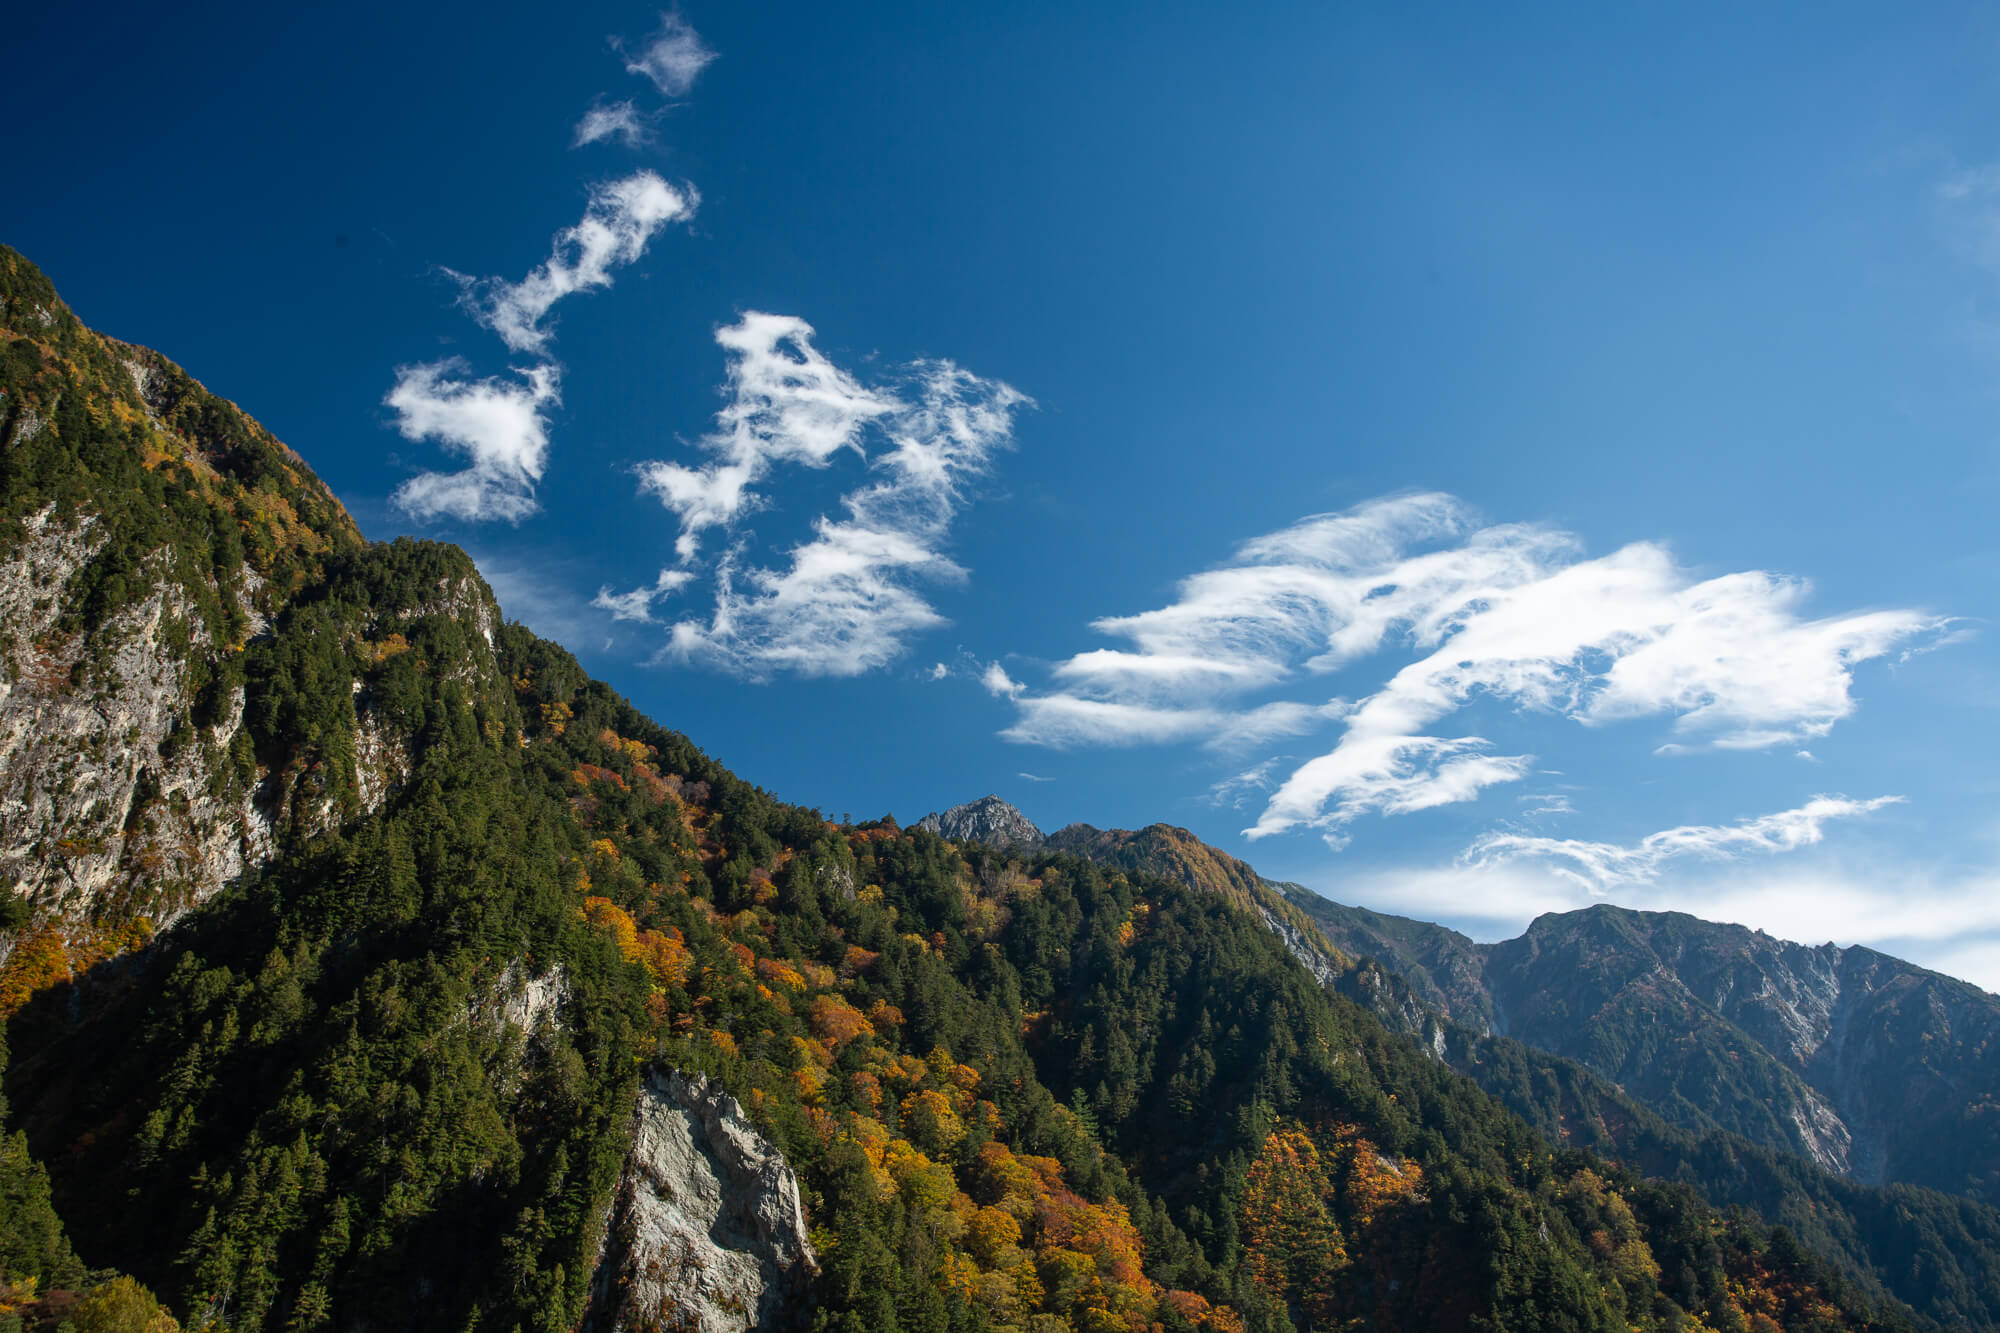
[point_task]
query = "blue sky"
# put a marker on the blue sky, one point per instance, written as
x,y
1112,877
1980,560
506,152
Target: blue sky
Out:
x,y
1500,464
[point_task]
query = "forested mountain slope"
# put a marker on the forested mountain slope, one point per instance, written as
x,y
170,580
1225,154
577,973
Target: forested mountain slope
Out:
x,y
148,531
1927,1247
1873,1067
498,969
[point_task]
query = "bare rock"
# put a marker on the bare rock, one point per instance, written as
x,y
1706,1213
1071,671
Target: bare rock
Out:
x,y
989,820
706,1231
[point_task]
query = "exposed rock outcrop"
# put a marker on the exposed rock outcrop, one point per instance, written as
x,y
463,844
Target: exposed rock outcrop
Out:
x,y
989,820
130,788
118,792
1309,948
707,1231
531,1005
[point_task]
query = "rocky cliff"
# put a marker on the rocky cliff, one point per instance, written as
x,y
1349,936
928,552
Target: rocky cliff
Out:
x,y
989,820
150,534
706,1232
115,797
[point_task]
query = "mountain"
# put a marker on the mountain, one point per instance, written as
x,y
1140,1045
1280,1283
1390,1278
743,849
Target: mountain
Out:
x,y
1871,1066
1431,990
989,820
1158,849
149,531
370,966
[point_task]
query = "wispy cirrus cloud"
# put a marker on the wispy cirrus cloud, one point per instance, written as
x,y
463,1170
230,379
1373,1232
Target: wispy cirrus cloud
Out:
x,y
1545,804
1509,612
623,217
848,599
1600,866
787,404
499,424
611,120
1238,789
673,58
638,603
1073,720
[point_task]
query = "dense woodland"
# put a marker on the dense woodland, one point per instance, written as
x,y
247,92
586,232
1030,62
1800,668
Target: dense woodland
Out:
x,y
1900,1243
1023,1093
1015,1090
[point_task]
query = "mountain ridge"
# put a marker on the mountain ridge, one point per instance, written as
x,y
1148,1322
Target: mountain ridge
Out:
x,y
1542,1064
1841,1045
1777,1053
398,1061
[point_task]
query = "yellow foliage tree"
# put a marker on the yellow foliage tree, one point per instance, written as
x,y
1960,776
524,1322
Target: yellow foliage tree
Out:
x,y
1292,1246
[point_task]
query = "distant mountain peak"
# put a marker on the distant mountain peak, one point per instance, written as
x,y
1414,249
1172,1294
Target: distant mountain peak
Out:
x,y
989,820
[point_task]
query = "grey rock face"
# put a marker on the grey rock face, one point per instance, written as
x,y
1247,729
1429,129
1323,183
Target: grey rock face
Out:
x,y
707,1231
1869,1066
989,820
110,785
126,795
530,1005
1310,953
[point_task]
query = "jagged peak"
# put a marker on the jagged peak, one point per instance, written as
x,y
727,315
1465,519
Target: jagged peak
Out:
x,y
988,819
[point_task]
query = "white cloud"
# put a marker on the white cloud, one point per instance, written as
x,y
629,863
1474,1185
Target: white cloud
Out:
x,y
1066,721
843,607
787,404
1598,866
1545,803
611,120
1237,788
1511,613
848,599
939,671
1247,728
623,216
998,683
1304,600
1625,636
499,425
638,604
1033,777
673,59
